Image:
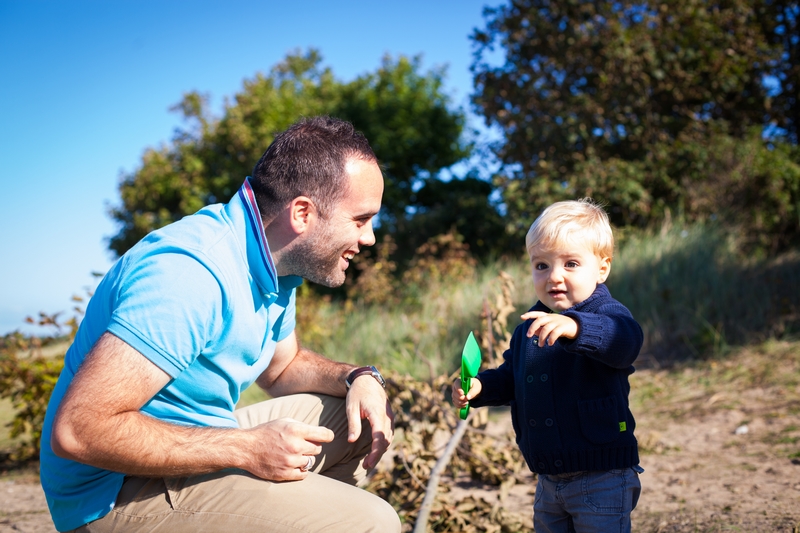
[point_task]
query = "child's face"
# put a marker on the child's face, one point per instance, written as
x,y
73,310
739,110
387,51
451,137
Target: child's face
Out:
x,y
567,276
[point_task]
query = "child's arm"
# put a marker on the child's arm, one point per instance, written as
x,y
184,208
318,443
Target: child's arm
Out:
x,y
459,398
550,326
611,335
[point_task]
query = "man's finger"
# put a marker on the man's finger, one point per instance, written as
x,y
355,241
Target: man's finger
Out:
x,y
312,448
316,434
381,439
353,421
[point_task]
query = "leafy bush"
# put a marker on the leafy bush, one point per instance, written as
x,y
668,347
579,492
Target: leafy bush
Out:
x,y
28,377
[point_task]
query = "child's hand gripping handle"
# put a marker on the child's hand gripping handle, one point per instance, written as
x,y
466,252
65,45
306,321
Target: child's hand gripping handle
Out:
x,y
470,364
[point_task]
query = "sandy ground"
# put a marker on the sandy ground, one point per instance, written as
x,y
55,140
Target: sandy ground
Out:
x,y
721,469
704,478
714,461
23,507
728,461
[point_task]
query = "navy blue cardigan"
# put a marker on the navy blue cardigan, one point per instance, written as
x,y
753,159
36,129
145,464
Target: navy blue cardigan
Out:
x,y
569,401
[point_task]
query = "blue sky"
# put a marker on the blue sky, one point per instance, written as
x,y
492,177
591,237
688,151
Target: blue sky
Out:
x,y
87,86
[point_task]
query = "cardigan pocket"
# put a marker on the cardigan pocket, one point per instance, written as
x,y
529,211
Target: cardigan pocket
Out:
x,y
600,420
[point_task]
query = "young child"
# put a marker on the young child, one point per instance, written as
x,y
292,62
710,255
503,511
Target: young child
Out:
x,y
565,376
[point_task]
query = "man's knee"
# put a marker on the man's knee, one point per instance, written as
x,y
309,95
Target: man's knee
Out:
x,y
382,516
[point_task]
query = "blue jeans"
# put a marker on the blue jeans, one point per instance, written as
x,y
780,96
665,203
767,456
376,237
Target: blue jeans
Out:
x,y
586,502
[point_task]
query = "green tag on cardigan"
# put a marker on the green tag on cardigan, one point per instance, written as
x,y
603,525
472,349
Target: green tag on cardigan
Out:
x,y
622,426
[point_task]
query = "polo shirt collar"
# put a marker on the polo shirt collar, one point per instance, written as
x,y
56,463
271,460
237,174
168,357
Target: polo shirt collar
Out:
x,y
259,258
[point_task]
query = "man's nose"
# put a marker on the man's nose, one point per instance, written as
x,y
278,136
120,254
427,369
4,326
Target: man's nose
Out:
x,y
368,235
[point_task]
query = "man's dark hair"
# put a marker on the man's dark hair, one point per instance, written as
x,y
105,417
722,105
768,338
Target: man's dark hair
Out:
x,y
308,159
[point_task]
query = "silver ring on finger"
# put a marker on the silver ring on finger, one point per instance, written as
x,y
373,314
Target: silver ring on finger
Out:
x,y
308,465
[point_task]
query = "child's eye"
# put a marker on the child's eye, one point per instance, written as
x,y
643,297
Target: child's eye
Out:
x,y
572,264
540,266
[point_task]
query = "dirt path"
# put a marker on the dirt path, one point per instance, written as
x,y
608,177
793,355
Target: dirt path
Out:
x,y
23,507
720,448
708,478
722,444
705,479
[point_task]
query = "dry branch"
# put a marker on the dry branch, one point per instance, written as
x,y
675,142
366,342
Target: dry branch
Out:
x,y
421,525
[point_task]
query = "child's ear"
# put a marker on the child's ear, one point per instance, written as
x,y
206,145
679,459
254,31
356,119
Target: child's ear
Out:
x,y
605,269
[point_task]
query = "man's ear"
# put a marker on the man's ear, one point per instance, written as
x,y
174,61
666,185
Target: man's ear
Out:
x,y
605,269
302,213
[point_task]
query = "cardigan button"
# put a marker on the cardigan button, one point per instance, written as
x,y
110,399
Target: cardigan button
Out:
x,y
559,463
532,423
541,465
530,379
543,377
548,422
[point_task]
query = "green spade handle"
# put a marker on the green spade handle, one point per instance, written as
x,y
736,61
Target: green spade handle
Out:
x,y
470,364
464,411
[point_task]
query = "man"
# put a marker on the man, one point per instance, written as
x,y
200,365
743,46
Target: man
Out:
x,y
141,432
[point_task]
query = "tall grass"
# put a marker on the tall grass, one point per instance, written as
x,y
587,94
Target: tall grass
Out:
x,y
422,339
689,288
695,294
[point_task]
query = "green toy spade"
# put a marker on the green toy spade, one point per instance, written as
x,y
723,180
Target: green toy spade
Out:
x,y
470,364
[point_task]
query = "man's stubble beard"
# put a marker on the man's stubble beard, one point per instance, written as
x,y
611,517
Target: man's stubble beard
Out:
x,y
317,260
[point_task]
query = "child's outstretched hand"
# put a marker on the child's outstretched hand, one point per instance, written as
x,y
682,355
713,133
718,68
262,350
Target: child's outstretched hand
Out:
x,y
459,398
550,326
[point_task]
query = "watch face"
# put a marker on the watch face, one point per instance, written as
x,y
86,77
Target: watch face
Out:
x,y
377,375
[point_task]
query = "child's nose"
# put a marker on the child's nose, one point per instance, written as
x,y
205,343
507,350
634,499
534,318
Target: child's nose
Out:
x,y
556,274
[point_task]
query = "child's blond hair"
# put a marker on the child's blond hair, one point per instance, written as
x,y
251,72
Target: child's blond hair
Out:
x,y
573,222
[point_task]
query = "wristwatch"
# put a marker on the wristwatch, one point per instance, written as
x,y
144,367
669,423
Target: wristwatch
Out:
x,y
364,370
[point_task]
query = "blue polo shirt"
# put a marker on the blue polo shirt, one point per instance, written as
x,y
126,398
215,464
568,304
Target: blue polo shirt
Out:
x,y
201,299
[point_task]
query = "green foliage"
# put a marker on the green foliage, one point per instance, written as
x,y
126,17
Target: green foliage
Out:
x,y
780,20
403,112
376,282
28,373
649,109
614,78
422,336
748,184
692,288
696,294
462,206
406,118
439,263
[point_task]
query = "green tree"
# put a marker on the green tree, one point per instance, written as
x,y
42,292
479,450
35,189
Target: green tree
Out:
x,y
600,98
462,206
780,20
407,119
403,112
207,161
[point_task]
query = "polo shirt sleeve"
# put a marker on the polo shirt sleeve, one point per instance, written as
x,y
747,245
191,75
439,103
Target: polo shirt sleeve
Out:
x,y
288,321
168,307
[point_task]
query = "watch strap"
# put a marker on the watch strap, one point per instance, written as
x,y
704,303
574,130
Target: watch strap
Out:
x,y
360,371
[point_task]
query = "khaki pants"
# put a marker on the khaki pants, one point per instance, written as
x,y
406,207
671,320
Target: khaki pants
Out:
x,y
234,500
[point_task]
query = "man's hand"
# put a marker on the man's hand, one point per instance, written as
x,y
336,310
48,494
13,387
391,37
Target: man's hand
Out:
x,y
367,399
550,326
459,398
281,448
